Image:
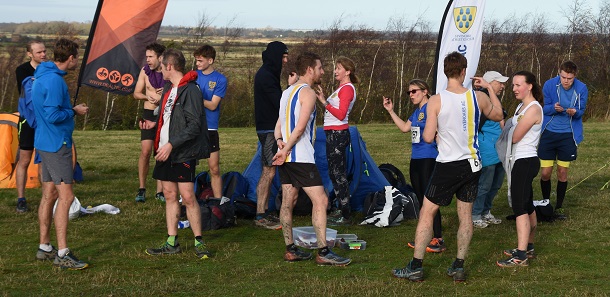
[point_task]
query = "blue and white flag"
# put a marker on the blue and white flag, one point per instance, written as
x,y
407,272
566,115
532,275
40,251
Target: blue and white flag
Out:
x,y
461,30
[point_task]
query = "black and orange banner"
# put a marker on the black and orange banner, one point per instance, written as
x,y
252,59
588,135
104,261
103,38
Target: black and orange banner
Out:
x,y
115,52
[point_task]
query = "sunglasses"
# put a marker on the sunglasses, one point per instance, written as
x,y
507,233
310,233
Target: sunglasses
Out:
x,y
414,91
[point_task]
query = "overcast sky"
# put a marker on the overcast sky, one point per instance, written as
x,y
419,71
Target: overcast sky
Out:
x,y
311,14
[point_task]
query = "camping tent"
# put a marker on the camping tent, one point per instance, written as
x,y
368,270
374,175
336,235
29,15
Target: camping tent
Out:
x,y
362,172
9,150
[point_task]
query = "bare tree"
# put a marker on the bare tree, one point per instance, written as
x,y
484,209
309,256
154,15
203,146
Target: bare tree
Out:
x,y
203,24
577,15
231,33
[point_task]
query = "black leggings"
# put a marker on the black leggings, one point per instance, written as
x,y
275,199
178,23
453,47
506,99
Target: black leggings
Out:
x,y
336,145
420,171
521,177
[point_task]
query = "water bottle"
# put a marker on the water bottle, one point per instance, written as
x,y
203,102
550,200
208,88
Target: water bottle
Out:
x,y
184,224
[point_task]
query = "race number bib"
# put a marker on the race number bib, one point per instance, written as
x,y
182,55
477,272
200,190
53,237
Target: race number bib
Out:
x,y
475,164
415,134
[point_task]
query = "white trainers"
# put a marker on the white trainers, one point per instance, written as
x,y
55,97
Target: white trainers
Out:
x,y
490,219
479,224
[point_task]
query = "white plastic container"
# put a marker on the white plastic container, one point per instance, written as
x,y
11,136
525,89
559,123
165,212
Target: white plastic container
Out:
x,y
306,237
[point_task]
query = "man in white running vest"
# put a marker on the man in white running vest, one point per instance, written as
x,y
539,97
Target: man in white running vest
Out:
x,y
453,119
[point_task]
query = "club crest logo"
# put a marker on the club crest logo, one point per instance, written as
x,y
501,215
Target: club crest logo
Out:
x,y
420,116
212,84
464,17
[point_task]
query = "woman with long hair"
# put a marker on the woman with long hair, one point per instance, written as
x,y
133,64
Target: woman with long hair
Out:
x,y
423,155
527,124
337,108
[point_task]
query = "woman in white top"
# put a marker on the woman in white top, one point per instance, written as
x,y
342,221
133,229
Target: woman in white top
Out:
x,y
527,123
336,112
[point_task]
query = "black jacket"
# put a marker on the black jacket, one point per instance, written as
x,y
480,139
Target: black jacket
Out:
x,y
267,88
188,128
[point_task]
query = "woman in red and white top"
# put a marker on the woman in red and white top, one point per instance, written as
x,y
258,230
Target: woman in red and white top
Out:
x,y
337,108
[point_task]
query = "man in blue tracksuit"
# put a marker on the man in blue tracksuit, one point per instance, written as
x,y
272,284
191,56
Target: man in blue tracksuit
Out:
x,y
565,99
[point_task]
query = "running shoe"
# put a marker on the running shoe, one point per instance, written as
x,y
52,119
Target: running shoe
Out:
x,y
202,252
559,214
69,261
479,224
165,249
273,218
436,245
513,261
332,259
43,255
490,219
458,274
296,255
22,206
265,223
341,221
414,275
530,253
141,197
159,196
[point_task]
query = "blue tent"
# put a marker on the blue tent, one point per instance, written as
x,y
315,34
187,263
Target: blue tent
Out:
x,y
362,172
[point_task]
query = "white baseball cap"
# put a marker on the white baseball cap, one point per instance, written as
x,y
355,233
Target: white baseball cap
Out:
x,y
490,76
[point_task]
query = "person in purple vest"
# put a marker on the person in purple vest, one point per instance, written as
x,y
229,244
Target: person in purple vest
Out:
x,y
149,88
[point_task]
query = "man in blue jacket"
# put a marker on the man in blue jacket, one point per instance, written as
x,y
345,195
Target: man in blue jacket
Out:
x,y
565,99
53,141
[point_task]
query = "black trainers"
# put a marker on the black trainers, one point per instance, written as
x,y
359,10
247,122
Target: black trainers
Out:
x,y
141,197
159,196
297,255
43,255
70,262
202,252
341,221
165,249
513,253
458,274
22,206
332,259
414,275
559,214
513,261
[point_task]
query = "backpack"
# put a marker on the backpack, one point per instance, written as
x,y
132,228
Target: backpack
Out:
x,y
383,208
25,105
216,213
303,207
410,203
395,177
203,187
235,187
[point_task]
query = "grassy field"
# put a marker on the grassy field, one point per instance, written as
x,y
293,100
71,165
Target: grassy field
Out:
x,y
573,255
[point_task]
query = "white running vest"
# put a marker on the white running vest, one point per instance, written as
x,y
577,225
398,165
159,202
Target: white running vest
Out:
x,y
333,100
527,147
290,107
458,126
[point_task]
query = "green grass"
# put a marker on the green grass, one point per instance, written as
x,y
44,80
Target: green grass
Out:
x,y
573,255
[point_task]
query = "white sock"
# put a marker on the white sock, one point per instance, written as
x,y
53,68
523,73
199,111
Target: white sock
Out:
x,y
61,253
47,247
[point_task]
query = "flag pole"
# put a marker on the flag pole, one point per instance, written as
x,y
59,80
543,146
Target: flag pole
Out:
x,y
86,54
438,46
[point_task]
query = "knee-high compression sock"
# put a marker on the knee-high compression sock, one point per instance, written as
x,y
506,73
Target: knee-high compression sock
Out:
x,y
545,188
561,193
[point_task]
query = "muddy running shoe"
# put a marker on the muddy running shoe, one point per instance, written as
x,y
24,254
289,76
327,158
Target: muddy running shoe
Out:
x,y
332,259
458,274
513,261
22,206
165,249
513,253
436,245
341,221
335,214
414,275
296,255
266,223
70,262
43,255
490,219
202,252
141,197
159,196
273,218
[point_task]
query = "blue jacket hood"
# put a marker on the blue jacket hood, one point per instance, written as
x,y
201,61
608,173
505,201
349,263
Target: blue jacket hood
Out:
x,y
46,68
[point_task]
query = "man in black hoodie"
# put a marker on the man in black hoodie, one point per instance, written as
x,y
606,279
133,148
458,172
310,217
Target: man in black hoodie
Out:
x,y
267,94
